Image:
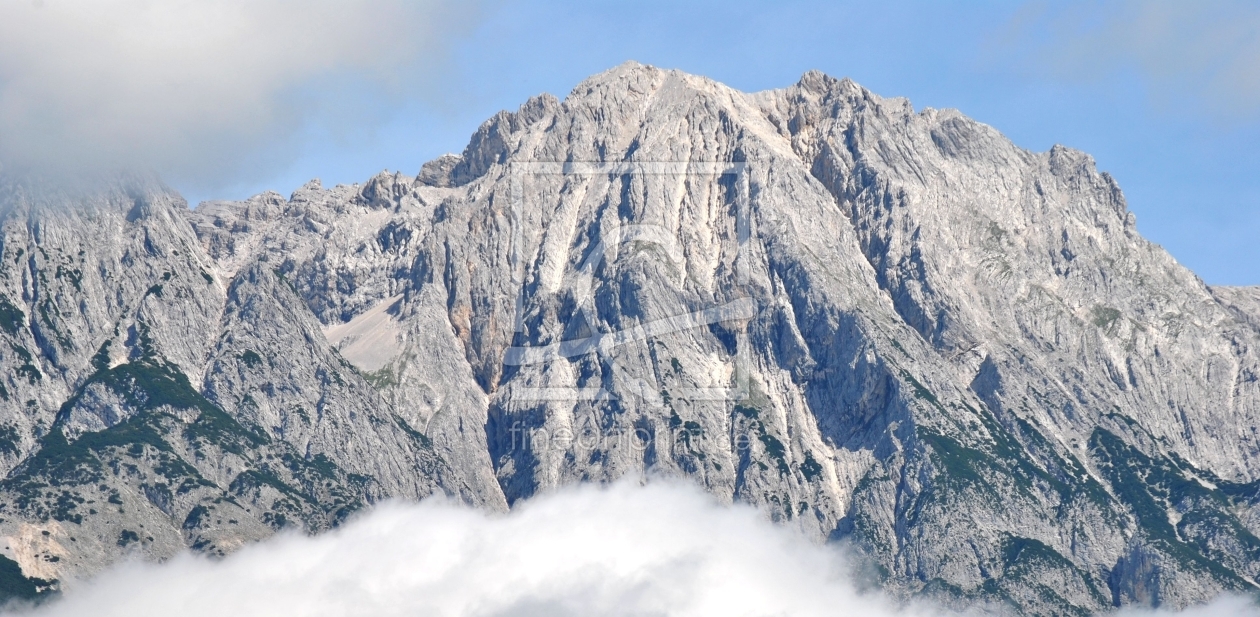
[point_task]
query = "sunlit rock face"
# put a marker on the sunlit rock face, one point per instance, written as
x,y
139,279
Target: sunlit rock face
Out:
x,y
884,327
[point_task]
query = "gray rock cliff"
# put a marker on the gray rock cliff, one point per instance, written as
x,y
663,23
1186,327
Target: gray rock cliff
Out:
x,y
884,327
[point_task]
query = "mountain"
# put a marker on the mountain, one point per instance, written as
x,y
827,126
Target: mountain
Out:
x,y
890,328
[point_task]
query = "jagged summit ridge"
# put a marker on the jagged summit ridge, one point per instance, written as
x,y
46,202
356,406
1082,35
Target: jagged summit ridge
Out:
x,y
887,327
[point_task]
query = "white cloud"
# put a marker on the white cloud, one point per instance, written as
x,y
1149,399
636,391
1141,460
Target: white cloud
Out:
x,y
623,550
1223,607
204,90
1204,53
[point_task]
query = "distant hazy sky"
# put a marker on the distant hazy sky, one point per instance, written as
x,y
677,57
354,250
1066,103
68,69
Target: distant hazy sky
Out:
x,y
1165,95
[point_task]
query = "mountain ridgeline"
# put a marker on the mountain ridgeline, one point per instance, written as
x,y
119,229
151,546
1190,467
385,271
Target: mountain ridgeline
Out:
x,y
889,328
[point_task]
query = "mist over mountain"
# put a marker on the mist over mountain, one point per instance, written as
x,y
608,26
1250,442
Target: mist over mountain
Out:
x,y
889,329
207,93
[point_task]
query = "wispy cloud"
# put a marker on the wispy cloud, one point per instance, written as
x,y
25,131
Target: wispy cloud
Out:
x,y
205,91
1204,53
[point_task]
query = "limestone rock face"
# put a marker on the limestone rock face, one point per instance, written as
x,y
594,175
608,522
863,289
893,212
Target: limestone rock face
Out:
x,y
884,327
156,400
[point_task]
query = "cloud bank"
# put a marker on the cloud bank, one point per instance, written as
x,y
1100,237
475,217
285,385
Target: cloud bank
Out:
x,y
205,91
1204,53
623,550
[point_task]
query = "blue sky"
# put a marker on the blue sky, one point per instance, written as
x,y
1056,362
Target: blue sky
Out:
x,y
1165,96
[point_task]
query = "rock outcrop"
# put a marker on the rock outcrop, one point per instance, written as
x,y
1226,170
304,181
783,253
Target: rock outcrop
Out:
x,y
886,327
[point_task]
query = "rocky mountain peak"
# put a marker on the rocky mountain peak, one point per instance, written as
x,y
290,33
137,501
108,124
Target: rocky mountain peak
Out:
x,y
890,328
